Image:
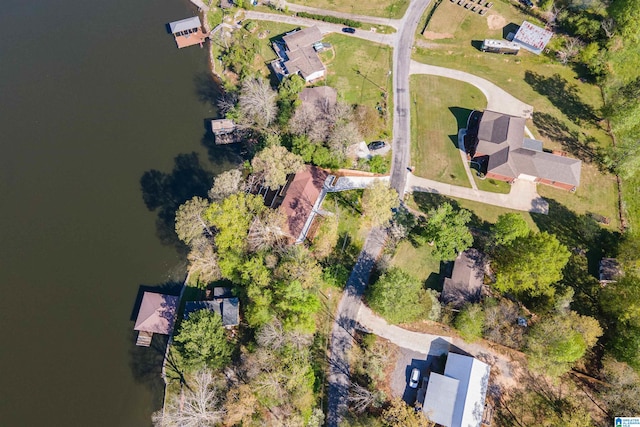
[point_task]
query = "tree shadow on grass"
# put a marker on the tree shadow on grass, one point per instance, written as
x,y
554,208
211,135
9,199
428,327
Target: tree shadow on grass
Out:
x,y
164,192
578,232
428,201
576,143
563,95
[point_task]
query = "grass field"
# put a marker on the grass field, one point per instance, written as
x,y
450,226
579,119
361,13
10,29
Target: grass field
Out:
x,y
418,262
383,8
360,70
440,107
493,185
565,108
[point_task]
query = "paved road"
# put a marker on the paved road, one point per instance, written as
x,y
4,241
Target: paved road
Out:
x,y
498,99
344,326
325,27
401,98
395,23
523,195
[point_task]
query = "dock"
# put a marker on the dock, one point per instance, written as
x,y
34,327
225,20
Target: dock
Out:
x,y
188,32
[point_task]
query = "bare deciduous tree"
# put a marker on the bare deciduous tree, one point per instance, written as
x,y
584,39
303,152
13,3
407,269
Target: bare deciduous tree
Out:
x,y
227,102
268,230
608,26
342,136
197,406
361,398
225,184
257,102
189,223
570,49
203,261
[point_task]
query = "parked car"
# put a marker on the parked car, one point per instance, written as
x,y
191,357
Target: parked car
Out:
x,y
415,378
376,145
348,30
527,3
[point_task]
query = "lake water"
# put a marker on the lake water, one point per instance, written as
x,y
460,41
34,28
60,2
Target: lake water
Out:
x,y
92,96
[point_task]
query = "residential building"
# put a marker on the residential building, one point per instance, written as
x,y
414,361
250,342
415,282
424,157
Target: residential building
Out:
x,y
503,153
457,398
299,55
157,315
467,278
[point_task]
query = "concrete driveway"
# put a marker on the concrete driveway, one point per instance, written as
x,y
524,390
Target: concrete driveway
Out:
x,y
522,197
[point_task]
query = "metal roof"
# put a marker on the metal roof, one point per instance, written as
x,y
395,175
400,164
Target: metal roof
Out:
x,y
185,24
440,400
472,390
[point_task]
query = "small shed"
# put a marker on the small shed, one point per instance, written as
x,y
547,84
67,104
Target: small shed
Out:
x,y
222,126
157,315
609,270
466,280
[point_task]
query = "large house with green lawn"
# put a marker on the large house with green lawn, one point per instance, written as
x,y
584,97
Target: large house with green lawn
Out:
x,y
496,143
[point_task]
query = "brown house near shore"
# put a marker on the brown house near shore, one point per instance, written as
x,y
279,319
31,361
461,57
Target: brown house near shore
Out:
x,y
157,315
503,153
302,198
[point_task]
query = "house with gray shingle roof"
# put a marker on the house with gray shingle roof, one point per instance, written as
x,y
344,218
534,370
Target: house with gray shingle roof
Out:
x,y
300,57
504,153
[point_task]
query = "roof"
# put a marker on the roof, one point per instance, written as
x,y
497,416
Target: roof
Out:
x,y
305,61
501,137
466,280
185,24
157,313
456,399
532,37
609,270
222,125
301,56
320,94
440,400
300,198
302,38
227,308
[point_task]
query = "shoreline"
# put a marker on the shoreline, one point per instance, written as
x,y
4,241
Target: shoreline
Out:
x,y
202,10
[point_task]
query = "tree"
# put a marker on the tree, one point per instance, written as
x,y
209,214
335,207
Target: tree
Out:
x,y
226,184
190,223
232,218
626,14
509,227
268,230
326,238
621,300
361,398
203,262
198,405
470,322
257,102
202,341
342,136
395,296
500,323
399,414
622,395
296,306
530,265
378,200
556,342
274,163
448,231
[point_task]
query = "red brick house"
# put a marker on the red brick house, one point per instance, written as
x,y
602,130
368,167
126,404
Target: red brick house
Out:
x,y
503,153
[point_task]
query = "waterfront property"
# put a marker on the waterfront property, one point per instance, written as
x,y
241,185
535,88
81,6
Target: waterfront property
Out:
x,y
499,149
222,302
297,54
457,398
303,196
188,32
157,315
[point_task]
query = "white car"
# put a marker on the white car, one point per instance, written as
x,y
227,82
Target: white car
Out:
x,y
414,379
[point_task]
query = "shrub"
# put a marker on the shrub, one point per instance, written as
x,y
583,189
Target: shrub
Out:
x,y
332,19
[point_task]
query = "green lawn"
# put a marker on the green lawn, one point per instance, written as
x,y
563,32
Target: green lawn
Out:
x,y
383,8
419,262
440,107
493,185
565,109
359,70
